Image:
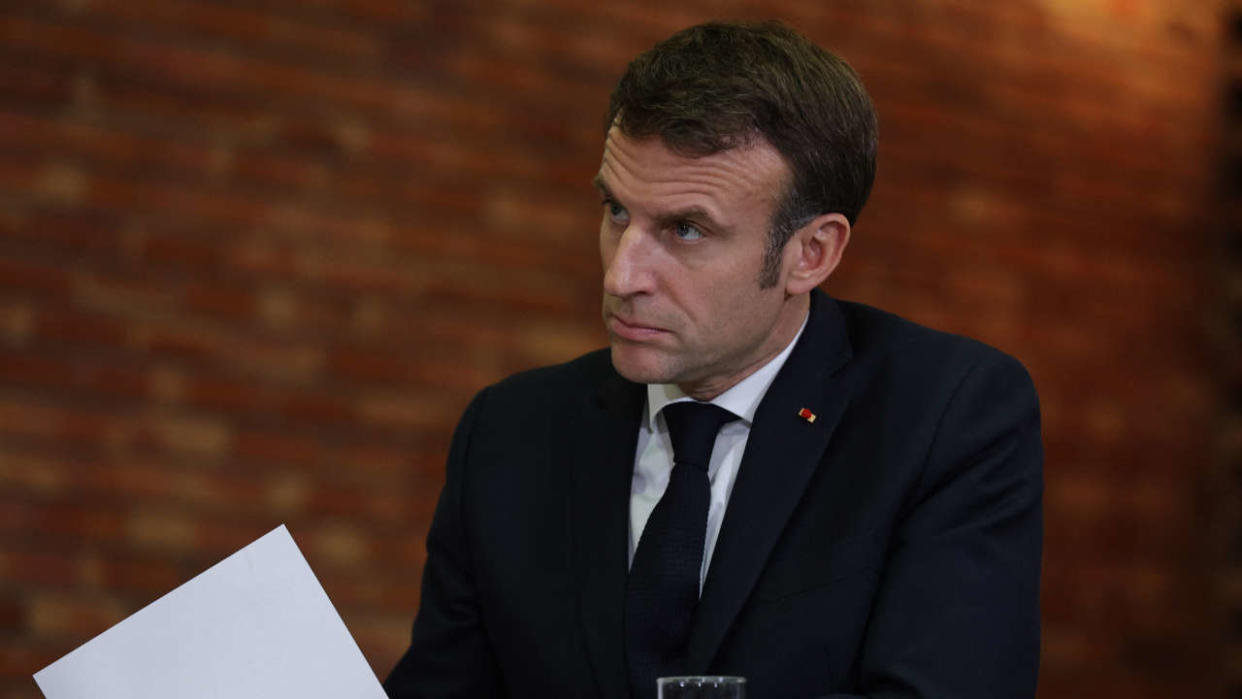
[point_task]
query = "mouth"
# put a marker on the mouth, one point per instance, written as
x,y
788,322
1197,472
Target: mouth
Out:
x,y
629,330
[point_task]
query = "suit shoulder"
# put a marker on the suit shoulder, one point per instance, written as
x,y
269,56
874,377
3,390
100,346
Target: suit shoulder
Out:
x,y
536,405
574,378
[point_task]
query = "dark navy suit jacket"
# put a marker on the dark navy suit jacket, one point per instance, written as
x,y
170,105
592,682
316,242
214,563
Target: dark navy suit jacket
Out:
x,y
889,548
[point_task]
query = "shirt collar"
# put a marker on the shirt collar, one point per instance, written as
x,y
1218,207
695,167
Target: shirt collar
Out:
x,y
741,399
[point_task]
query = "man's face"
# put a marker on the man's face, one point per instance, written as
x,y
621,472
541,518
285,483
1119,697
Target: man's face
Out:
x,y
682,242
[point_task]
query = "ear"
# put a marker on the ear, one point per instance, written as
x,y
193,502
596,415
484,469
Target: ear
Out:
x,y
814,252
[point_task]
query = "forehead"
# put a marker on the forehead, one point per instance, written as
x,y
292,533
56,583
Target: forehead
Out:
x,y
643,173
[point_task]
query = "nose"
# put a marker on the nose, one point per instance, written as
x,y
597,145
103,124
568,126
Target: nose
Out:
x,y
626,263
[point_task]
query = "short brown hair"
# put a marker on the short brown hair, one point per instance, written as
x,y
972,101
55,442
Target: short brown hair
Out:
x,y
719,85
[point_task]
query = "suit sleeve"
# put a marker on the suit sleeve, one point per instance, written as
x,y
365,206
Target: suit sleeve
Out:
x,y
957,612
449,653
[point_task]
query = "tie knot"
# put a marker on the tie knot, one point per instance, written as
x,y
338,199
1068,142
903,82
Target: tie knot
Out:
x,y
692,428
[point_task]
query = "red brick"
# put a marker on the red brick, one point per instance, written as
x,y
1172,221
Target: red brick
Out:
x,y
57,615
20,660
145,577
35,84
75,521
276,449
36,569
33,277
180,250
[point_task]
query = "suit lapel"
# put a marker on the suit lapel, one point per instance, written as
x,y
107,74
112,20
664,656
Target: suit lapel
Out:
x,y
606,437
782,452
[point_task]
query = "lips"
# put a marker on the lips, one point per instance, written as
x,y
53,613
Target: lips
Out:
x,y
632,331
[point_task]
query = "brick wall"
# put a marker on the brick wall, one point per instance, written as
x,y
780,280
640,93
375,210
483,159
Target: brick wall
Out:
x,y
255,257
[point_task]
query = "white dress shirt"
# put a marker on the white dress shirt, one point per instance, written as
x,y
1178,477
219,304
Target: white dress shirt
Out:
x,y
653,461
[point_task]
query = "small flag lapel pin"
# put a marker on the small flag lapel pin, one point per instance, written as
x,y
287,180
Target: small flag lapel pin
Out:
x,y
806,415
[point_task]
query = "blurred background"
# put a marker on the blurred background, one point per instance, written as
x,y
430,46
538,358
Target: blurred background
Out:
x,y
256,256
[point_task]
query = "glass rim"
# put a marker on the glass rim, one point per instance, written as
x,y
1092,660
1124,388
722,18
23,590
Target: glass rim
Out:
x,y
727,679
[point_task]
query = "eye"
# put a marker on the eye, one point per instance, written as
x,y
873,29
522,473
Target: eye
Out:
x,y
616,213
687,231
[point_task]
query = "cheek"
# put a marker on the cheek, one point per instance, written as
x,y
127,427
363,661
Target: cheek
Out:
x,y
717,308
741,310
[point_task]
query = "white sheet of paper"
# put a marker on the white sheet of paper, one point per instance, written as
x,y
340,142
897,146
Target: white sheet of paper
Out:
x,y
256,625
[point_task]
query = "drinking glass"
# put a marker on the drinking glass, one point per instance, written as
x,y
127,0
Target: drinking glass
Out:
x,y
714,687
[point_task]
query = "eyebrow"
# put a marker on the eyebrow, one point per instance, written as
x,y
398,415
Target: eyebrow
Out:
x,y
696,213
598,181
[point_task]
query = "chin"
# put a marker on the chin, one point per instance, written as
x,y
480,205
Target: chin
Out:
x,y
640,366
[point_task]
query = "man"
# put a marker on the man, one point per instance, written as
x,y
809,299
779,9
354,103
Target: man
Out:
x,y
857,515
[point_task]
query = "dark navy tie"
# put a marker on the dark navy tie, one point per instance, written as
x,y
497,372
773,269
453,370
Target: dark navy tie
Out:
x,y
663,586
